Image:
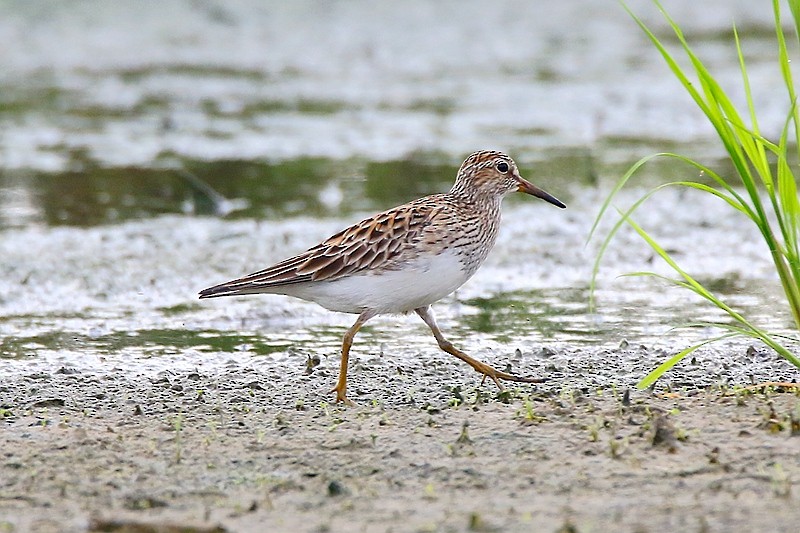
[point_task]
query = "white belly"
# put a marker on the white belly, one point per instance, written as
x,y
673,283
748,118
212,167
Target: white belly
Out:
x,y
421,283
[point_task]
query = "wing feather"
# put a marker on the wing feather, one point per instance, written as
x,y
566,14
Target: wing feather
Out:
x,y
374,242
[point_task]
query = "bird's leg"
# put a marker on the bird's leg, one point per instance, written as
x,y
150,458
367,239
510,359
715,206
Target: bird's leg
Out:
x,y
426,314
341,385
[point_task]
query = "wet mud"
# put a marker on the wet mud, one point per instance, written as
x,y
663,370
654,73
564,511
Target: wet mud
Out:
x,y
426,450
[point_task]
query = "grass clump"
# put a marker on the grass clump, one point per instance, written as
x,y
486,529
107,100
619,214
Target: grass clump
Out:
x,y
763,189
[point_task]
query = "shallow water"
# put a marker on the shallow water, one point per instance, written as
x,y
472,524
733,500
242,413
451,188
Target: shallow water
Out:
x,y
122,297
148,153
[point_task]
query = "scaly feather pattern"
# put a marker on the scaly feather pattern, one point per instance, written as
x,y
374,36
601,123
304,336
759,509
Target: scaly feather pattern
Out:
x,y
378,242
464,220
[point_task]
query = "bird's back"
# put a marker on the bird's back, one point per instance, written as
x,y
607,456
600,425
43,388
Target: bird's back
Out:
x,y
413,234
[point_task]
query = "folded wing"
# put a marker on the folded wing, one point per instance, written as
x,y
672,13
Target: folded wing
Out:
x,y
376,242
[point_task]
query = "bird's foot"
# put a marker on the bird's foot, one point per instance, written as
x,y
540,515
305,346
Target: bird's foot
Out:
x,y
488,371
341,396
496,375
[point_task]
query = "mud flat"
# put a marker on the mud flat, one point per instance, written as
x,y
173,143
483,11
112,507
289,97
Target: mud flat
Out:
x,y
426,450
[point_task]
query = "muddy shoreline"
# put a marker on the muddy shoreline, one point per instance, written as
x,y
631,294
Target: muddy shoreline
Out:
x,y
264,450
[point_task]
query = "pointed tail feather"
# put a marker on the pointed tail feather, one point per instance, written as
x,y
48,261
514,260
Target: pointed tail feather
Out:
x,y
238,287
264,281
224,289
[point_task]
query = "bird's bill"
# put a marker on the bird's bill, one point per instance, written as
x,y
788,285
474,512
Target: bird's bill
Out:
x,y
529,188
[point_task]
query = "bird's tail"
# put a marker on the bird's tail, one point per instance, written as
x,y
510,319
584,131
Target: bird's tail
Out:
x,y
232,288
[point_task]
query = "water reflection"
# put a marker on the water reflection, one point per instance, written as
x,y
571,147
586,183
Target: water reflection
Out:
x,y
141,343
651,309
95,195
547,313
559,315
90,194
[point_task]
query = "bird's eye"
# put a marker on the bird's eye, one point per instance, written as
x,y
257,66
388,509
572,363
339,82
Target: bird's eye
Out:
x,y
502,167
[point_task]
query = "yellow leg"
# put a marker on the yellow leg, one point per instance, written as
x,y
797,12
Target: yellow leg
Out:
x,y
341,385
426,314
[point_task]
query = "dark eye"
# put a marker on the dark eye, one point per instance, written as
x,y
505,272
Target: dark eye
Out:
x,y
502,167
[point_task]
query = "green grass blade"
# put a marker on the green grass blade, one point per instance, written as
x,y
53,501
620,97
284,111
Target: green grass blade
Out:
x,y
762,336
618,187
755,150
690,282
717,107
787,204
671,63
731,200
769,196
794,6
730,196
785,62
745,327
740,203
659,371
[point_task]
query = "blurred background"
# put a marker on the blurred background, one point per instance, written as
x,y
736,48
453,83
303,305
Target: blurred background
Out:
x,y
327,107
149,149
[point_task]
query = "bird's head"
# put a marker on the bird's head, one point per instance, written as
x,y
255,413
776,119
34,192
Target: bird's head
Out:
x,y
494,174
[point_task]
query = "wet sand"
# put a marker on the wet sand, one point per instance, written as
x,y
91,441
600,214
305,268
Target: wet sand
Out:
x,y
425,450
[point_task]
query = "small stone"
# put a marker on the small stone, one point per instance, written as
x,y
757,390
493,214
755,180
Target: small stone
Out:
x,y
336,489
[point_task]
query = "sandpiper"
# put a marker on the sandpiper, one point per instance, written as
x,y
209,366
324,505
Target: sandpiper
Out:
x,y
403,259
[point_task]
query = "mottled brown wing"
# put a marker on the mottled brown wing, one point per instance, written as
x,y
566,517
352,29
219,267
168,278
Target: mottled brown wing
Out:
x,y
371,243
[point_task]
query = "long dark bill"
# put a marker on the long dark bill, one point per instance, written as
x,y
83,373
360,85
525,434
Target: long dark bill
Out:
x,y
529,188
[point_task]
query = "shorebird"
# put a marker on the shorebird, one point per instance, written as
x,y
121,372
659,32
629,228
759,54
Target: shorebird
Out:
x,y
403,259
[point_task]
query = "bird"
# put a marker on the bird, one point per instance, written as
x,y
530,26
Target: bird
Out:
x,y
403,259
